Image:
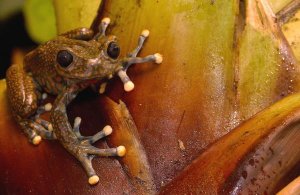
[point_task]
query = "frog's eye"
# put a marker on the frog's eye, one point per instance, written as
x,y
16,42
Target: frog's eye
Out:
x,y
64,58
113,50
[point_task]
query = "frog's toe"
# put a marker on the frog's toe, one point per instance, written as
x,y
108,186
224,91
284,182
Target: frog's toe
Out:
x,y
77,122
50,127
43,128
105,21
86,152
102,87
36,140
158,58
93,180
128,86
44,96
48,106
121,151
145,33
107,130
36,130
102,27
118,151
47,125
42,109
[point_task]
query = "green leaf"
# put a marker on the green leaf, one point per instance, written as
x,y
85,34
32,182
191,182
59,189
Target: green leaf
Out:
x,y
74,14
40,19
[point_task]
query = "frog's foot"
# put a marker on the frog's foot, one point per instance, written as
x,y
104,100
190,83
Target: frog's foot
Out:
x,y
47,126
35,130
107,130
157,58
132,59
44,128
102,87
128,84
85,151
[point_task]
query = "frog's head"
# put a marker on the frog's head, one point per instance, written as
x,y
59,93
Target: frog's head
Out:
x,y
85,60
98,58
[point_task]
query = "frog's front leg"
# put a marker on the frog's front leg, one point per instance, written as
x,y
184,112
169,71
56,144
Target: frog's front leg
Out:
x,y
78,145
24,96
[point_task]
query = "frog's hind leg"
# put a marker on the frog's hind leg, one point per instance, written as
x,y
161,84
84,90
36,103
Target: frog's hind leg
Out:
x,y
79,146
23,97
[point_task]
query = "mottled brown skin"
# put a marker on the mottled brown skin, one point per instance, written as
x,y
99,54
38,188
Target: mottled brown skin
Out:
x,y
46,69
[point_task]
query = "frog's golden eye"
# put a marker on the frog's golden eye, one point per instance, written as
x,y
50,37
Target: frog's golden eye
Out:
x,y
113,50
64,58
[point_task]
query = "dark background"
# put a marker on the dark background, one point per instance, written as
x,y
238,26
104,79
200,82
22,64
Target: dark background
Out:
x,y
12,35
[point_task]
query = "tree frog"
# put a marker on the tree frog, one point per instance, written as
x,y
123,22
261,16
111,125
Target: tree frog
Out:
x,y
63,67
